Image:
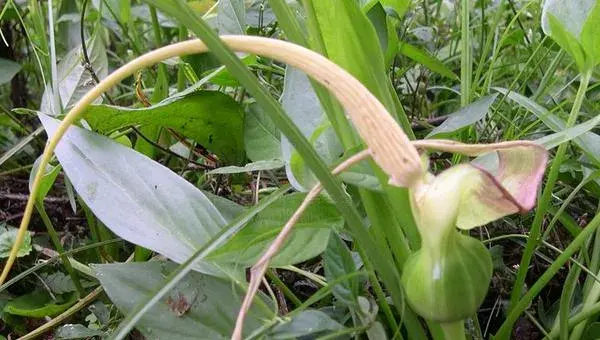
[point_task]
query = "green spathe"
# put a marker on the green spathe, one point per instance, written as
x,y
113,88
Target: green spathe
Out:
x,y
450,284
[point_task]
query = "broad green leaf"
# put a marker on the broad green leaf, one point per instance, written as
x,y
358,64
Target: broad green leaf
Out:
x,y
76,331
338,262
8,69
198,307
7,239
262,140
39,304
138,199
213,119
306,323
589,142
255,166
308,239
574,26
74,81
231,17
47,179
464,117
422,57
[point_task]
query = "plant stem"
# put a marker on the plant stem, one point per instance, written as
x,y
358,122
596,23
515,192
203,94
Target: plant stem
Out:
x,y
454,330
522,304
534,235
465,54
59,248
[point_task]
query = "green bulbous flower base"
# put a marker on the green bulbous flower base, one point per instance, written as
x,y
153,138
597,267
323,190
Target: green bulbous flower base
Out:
x,y
449,283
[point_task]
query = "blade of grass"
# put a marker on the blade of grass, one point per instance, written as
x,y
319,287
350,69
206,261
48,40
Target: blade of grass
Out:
x,y
466,67
546,197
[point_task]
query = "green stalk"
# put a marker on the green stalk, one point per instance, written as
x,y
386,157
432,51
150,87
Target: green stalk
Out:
x,y
183,32
59,248
546,197
466,68
522,304
454,330
594,264
566,298
590,299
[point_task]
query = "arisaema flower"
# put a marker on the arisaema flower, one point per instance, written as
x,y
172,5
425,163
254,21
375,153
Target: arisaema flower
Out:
x,y
448,278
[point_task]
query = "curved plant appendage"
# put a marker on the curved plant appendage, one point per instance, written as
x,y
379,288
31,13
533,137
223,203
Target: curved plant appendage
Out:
x,y
471,196
393,153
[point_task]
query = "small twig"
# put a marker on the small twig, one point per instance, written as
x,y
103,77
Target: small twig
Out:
x,y
257,272
23,197
169,152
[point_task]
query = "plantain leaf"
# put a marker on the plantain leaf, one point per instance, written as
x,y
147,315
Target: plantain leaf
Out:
x,y
138,199
213,119
198,307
